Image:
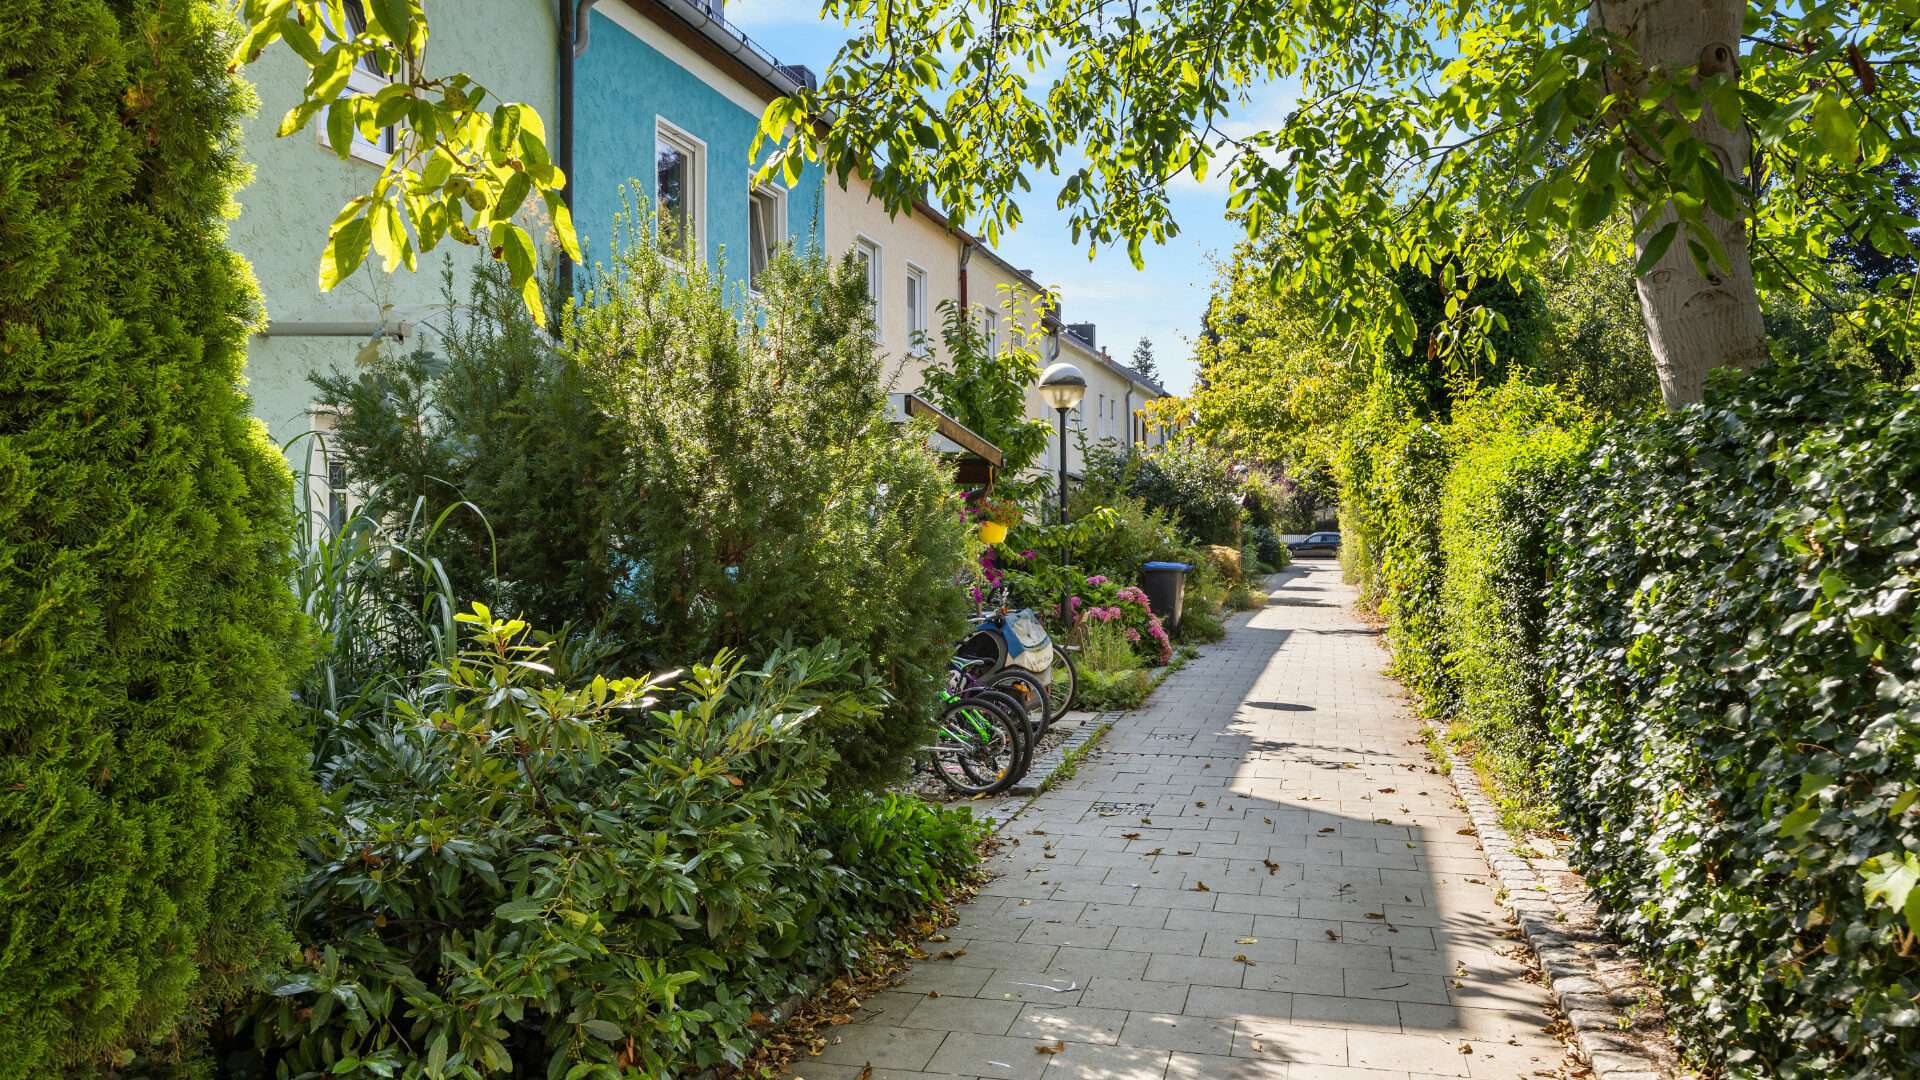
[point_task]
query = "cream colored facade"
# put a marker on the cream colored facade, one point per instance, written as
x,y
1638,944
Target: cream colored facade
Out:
x,y
921,262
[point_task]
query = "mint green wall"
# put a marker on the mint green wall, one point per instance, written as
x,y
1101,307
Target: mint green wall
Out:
x,y
299,185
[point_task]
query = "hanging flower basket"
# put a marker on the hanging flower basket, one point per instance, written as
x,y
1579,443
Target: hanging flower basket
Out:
x,y
997,516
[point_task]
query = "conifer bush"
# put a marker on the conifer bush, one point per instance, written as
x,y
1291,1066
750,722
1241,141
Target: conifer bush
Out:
x,y
151,787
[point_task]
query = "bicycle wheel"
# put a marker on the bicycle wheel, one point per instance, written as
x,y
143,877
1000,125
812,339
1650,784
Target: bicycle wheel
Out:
x,y
1029,693
1064,685
976,748
1009,705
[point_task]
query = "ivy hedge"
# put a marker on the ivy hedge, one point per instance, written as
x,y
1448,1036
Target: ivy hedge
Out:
x,y
1734,648
151,783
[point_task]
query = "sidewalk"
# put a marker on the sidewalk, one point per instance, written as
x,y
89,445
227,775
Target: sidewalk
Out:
x,y
1256,877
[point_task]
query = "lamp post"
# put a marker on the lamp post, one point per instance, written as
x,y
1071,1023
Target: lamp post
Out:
x,y
1063,386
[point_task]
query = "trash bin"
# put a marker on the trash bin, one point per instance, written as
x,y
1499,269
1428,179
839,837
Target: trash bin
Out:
x,y
1165,584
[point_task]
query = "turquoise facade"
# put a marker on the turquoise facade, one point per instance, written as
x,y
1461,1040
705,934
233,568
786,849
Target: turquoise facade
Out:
x,y
623,87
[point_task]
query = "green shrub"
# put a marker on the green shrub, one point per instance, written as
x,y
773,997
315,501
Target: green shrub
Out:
x,y
1734,647
1392,468
1517,448
1200,624
497,418
518,876
1113,691
1195,483
152,787
1138,534
684,476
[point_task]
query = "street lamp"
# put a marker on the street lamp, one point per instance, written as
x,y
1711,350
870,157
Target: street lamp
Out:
x,y
1063,386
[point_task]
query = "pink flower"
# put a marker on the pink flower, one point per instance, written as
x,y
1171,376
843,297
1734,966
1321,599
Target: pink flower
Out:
x,y
1027,554
1097,579
1073,602
1133,635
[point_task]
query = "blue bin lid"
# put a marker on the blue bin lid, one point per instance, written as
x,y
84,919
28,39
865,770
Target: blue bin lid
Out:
x,y
1167,566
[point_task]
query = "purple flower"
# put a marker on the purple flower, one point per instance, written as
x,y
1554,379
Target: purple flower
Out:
x,y
1097,579
1027,554
1073,602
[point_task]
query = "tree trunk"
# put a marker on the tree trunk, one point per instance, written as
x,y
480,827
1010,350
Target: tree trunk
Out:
x,y
1695,322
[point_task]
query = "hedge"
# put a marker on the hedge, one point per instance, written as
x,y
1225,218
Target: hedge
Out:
x,y
1734,647
151,786
1516,450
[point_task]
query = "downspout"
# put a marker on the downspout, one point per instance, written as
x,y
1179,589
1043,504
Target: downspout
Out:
x,y
574,31
966,254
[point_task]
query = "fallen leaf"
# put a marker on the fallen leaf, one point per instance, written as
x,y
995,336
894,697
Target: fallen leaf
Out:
x,y
1466,831
937,938
1201,886
1376,915
1242,958
1386,791
1328,829
1129,836
1331,936
1466,1048
1272,867
1246,941
1055,1047
950,954
933,993
1267,820
1049,855
866,1073
756,1018
1146,821
1201,803
1382,821
1156,851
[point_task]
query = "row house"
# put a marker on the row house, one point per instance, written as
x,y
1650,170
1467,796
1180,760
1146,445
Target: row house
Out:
x,y
664,98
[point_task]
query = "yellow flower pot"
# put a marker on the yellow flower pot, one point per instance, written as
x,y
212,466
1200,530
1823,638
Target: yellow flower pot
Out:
x,y
993,532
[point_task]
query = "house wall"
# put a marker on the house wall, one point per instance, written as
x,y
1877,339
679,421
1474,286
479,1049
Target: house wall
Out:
x,y
299,185
634,75
853,214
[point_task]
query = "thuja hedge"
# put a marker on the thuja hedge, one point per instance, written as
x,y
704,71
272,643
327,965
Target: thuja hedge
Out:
x,y
1734,642
150,787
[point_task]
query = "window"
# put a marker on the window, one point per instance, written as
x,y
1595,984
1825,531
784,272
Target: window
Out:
x,y
993,332
679,195
365,78
766,229
869,254
917,309
1100,413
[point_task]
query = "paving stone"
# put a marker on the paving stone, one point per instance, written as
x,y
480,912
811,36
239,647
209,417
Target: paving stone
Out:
x,y
1208,970
1103,992
1087,963
980,1015
1187,1033
1073,1023
1093,1061
1239,1004
881,1046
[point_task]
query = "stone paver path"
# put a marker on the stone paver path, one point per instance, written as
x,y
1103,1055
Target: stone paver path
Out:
x,y
1256,877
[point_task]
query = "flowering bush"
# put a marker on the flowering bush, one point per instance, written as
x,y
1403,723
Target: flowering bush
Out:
x,y
1102,602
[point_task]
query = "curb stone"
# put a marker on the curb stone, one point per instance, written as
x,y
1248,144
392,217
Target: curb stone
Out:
x,y
1570,976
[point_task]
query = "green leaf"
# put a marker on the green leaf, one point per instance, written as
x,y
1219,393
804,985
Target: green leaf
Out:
x,y
520,911
1890,880
1835,127
604,1030
346,249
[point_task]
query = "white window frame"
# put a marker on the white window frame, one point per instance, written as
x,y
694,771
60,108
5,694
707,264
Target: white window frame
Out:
x,y
919,329
991,332
362,80
875,255
778,195
671,134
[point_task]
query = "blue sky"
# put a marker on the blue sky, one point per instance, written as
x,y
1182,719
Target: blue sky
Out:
x,y
1164,301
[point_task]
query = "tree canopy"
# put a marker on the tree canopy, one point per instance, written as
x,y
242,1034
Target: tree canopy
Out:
x,y
1464,138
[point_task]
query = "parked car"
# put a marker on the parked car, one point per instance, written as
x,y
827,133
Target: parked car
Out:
x,y
1320,543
